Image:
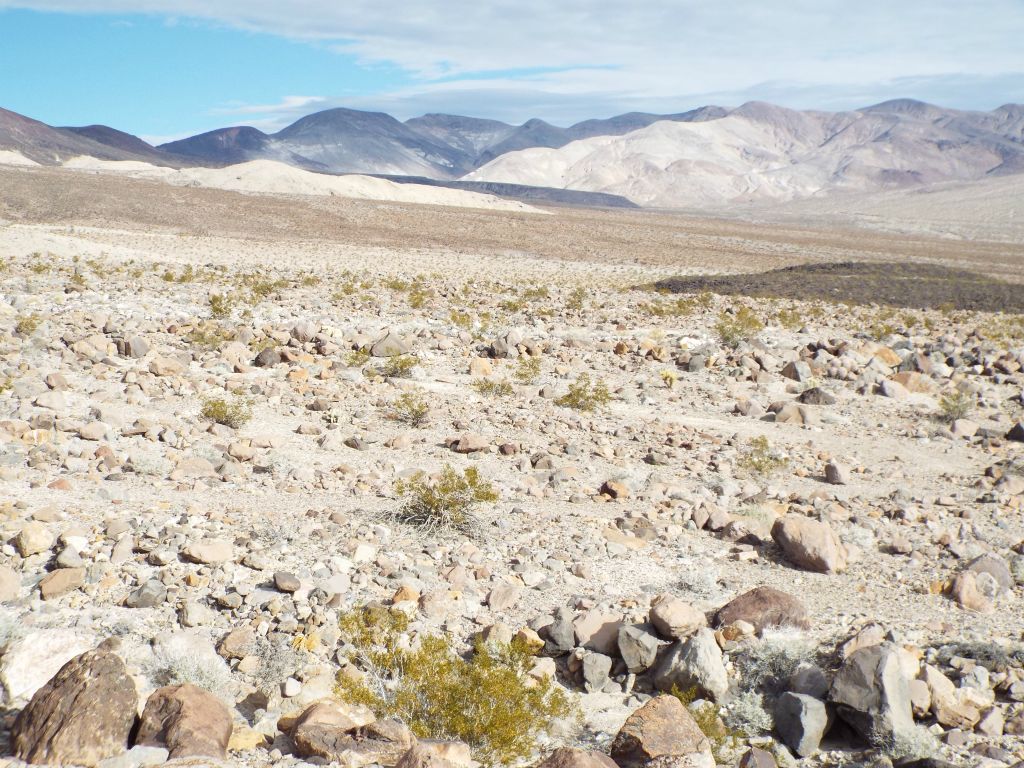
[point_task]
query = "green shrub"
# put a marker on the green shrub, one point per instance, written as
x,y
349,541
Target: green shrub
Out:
x,y
577,299
527,370
584,396
398,367
737,327
412,409
487,700
493,387
357,358
706,717
235,413
220,305
445,504
26,325
955,404
761,459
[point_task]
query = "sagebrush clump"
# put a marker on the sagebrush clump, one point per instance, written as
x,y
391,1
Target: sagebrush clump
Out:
x,y
493,387
527,370
584,395
445,503
231,413
955,404
761,459
412,409
488,700
739,326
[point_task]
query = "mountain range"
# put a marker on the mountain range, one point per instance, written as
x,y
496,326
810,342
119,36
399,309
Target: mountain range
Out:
x,y
702,158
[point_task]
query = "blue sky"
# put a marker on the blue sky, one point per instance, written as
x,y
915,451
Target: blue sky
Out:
x,y
169,68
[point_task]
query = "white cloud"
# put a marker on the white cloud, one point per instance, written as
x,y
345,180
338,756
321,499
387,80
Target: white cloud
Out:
x,y
286,105
645,52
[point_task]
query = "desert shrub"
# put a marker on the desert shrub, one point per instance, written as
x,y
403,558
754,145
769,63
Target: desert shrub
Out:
x,y
419,295
767,663
513,305
739,326
955,404
462,320
577,299
357,358
493,387
584,395
527,370
398,367
231,413
446,503
26,325
535,292
761,459
678,308
411,408
668,378
748,714
488,700
205,335
789,319
221,305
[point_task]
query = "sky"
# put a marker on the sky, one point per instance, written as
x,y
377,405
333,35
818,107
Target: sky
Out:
x,y
164,69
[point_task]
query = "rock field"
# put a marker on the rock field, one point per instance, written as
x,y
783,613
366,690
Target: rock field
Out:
x,y
803,519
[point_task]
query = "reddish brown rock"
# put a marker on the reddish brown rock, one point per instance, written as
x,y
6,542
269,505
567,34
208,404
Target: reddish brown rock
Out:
x,y
84,714
567,757
810,544
764,607
187,721
664,732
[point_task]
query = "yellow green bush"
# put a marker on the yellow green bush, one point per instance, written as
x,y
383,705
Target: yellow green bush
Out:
x,y
231,413
445,504
584,395
488,700
411,408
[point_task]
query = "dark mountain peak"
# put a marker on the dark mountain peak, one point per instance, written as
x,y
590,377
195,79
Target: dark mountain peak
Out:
x,y
910,107
536,124
340,119
112,137
442,120
224,145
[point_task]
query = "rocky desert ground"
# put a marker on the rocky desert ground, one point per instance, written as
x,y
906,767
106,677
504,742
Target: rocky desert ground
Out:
x,y
257,448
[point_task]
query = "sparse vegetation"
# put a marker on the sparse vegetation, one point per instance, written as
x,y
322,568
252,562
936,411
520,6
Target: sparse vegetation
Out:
x,y
493,387
955,404
220,305
584,395
445,503
398,367
761,459
26,325
488,699
527,370
411,408
233,413
357,358
742,324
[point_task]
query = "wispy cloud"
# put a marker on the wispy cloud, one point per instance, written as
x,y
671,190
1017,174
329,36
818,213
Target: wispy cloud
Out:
x,y
645,52
286,105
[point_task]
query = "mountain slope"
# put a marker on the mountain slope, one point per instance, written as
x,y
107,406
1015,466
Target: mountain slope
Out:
x,y
764,152
225,145
46,144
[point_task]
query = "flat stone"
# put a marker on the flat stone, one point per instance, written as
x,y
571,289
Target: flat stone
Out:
x,y
187,721
61,581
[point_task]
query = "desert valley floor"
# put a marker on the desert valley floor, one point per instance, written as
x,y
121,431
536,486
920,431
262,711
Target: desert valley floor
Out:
x,y
208,398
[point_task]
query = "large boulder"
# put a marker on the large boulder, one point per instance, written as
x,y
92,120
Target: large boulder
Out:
x,y
871,694
696,662
810,544
81,716
349,735
187,720
568,757
389,345
801,722
662,732
764,608
675,618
